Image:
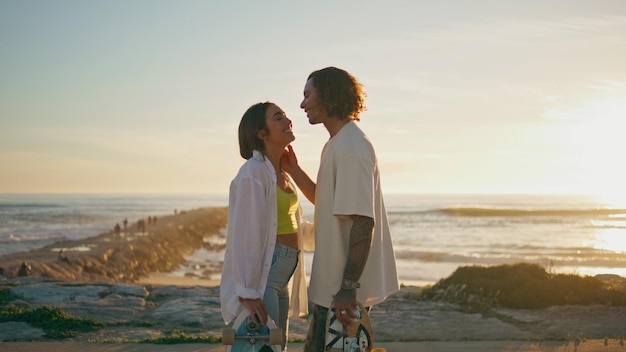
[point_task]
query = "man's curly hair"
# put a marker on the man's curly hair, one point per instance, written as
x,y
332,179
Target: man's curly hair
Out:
x,y
340,92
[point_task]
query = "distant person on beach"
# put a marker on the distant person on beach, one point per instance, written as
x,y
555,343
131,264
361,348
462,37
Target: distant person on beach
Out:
x,y
117,230
141,226
24,270
62,258
357,263
125,224
266,236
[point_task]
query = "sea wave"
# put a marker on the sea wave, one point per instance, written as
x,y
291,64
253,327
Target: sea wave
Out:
x,y
18,206
610,224
590,258
29,238
512,212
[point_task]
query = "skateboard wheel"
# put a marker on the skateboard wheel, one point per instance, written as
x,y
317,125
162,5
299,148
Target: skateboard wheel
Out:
x,y
228,337
276,336
379,350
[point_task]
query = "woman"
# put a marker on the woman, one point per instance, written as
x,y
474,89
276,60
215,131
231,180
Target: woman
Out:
x,y
266,237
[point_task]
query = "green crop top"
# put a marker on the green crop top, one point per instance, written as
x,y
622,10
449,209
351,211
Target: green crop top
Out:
x,y
287,207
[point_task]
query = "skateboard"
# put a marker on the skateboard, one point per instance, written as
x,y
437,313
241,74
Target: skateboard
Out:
x,y
357,337
248,336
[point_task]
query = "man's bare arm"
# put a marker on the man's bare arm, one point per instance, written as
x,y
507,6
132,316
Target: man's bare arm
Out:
x,y
304,182
360,244
361,236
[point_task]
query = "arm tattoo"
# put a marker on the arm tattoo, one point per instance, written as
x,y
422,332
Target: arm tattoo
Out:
x,y
361,236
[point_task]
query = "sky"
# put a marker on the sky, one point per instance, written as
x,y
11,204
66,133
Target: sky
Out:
x,y
463,96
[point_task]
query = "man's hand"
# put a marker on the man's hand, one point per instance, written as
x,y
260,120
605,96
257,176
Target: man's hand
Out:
x,y
289,163
257,309
344,303
289,160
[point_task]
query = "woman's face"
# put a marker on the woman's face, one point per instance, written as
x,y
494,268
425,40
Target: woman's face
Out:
x,y
279,126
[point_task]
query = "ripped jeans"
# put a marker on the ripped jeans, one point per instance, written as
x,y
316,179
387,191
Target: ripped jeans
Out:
x,y
276,295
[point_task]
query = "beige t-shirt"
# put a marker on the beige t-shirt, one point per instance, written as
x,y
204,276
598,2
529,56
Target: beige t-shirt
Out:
x,y
348,183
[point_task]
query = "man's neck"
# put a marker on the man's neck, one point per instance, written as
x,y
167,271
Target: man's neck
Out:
x,y
334,125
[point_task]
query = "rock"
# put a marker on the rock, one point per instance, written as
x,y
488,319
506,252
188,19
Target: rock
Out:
x,y
49,293
185,311
111,309
16,331
124,260
130,290
130,314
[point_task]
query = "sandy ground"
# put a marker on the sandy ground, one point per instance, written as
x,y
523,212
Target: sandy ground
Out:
x,y
427,346
165,279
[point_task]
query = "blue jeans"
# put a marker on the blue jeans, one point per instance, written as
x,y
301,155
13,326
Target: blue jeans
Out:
x,y
276,295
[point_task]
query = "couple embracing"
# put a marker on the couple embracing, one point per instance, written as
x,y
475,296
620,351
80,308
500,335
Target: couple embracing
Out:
x,y
264,269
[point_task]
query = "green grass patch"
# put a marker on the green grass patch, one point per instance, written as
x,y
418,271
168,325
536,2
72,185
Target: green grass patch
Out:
x,y
519,286
6,296
176,336
55,322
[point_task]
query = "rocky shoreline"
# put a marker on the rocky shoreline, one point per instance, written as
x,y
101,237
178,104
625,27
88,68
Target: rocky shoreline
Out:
x,y
126,257
134,313
104,284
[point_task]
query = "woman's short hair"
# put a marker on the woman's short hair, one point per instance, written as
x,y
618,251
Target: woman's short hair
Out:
x,y
251,123
340,92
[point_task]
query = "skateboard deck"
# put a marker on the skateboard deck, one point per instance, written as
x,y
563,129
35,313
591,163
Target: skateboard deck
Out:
x,y
248,336
356,337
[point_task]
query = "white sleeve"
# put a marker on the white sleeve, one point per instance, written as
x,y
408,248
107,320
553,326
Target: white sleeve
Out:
x,y
354,188
248,237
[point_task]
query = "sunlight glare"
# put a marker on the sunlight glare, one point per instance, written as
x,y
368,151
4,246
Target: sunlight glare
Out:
x,y
613,240
593,134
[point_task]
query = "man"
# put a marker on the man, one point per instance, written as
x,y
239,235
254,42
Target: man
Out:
x,y
354,259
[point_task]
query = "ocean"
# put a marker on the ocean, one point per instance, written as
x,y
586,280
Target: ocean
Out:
x,y
432,234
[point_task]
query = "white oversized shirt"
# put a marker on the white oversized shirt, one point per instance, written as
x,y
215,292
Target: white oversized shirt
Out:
x,y
348,183
251,238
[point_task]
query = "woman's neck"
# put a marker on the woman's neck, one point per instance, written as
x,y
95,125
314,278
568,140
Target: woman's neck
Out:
x,y
274,157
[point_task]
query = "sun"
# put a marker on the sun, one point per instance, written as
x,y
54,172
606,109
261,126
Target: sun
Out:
x,y
592,131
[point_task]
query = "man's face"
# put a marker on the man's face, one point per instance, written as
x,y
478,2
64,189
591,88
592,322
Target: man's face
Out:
x,y
311,105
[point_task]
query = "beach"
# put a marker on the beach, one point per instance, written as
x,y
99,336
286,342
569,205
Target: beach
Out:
x,y
122,281
137,312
